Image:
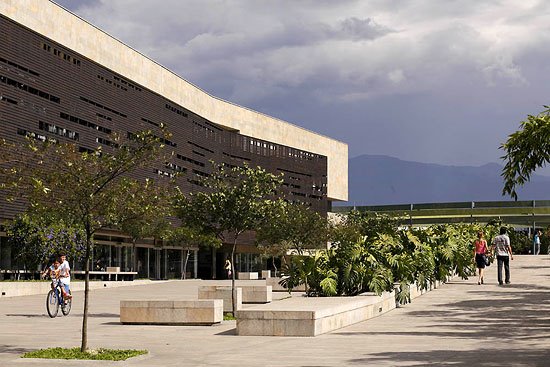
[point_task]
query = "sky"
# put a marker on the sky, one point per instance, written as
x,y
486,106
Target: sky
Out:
x,y
425,80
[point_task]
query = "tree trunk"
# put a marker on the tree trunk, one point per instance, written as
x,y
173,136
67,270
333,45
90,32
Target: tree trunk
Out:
x,y
213,263
233,300
89,239
134,255
184,272
274,266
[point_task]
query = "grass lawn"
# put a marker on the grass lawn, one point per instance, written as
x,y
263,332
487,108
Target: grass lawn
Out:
x,y
75,353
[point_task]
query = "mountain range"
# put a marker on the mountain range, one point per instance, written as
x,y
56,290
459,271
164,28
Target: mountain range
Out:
x,y
382,180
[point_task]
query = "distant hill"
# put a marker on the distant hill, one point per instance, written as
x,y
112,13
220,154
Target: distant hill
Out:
x,y
380,180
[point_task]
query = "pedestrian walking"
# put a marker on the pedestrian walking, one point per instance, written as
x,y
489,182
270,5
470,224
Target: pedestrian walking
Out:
x,y
227,268
480,256
503,252
536,242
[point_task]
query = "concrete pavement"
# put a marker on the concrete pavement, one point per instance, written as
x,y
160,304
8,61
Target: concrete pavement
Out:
x,y
458,324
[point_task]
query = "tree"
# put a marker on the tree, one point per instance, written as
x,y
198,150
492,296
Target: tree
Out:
x,y
84,189
291,226
36,240
237,200
145,212
526,150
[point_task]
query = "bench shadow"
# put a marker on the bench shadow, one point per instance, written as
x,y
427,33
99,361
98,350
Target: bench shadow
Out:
x,y
27,315
12,349
232,332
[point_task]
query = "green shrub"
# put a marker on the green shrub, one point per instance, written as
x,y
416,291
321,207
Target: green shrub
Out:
x,y
371,253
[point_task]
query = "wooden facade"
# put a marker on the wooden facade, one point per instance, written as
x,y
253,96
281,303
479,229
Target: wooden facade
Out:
x,y
50,92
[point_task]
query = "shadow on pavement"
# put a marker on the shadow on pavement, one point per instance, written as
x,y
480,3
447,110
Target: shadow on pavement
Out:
x,y
458,358
13,349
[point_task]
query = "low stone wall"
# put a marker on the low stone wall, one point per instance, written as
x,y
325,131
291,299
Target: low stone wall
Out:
x,y
243,275
23,288
224,293
302,316
193,312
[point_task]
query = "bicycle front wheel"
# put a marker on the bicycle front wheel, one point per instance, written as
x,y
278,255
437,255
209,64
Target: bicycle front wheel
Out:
x,y
66,307
52,303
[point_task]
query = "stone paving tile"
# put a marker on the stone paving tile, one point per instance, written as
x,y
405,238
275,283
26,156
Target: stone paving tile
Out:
x,y
459,324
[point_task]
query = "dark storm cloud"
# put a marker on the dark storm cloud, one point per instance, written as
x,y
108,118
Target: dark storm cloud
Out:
x,y
425,80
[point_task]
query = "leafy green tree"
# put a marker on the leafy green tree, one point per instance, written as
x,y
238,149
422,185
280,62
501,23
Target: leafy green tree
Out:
x,y
291,227
84,189
36,240
236,200
146,211
526,150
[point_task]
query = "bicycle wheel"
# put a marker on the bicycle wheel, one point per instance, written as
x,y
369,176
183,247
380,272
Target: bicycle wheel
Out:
x,y
52,303
66,306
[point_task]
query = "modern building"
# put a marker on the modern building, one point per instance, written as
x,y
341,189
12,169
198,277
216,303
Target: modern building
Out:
x,y
63,79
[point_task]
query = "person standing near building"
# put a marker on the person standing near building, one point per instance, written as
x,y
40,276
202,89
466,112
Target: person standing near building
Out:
x,y
227,268
536,242
503,252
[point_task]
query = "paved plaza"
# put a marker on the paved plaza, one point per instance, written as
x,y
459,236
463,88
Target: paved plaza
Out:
x,y
458,324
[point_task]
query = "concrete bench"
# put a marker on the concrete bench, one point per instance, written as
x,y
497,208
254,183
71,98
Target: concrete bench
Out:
x,y
243,275
194,312
257,293
223,293
244,294
301,316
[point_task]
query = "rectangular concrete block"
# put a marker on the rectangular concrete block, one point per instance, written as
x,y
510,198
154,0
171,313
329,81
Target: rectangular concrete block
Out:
x,y
223,293
312,316
266,274
181,312
242,275
257,294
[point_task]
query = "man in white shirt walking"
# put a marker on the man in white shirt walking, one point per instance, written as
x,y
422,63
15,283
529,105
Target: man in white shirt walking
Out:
x,y
503,252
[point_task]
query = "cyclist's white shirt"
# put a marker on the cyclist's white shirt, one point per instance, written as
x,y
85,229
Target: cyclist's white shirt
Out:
x,y
65,270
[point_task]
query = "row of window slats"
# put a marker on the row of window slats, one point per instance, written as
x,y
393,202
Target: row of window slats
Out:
x,y
46,67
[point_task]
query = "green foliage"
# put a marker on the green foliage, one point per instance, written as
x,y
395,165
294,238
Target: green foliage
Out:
x,y
228,317
36,240
526,150
292,227
371,253
75,353
237,199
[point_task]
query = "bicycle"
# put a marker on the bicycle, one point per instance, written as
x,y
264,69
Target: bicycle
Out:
x,y
54,301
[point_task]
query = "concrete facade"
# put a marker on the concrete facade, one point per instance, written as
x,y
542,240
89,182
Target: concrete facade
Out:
x,y
52,21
